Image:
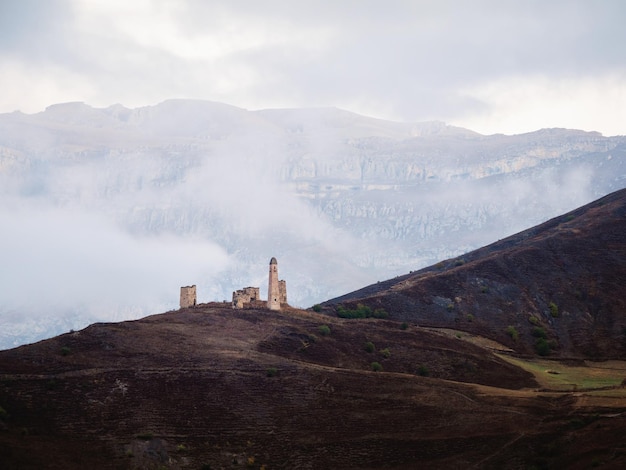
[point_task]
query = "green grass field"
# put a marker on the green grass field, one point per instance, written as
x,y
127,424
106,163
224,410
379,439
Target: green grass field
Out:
x,y
554,375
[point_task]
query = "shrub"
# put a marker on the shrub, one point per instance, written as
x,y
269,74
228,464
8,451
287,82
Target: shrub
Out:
x,y
324,330
539,332
181,448
272,372
361,311
542,347
3,413
404,326
469,317
317,308
369,347
65,351
376,367
146,436
533,320
554,309
423,371
484,289
512,332
385,353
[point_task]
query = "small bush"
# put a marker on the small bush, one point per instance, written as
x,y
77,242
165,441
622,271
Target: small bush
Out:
x,y
554,309
385,353
272,372
317,308
539,332
404,326
484,289
324,330
469,317
3,413
512,332
533,320
542,347
376,367
181,448
369,347
65,351
423,371
146,436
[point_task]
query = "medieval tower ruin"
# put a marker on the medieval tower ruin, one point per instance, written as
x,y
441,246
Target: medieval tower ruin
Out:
x,y
187,296
248,297
273,290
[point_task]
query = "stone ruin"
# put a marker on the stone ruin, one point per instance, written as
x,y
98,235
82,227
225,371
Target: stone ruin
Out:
x,y
188,296
249,297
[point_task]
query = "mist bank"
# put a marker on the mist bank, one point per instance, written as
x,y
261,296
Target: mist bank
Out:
x,y
107,212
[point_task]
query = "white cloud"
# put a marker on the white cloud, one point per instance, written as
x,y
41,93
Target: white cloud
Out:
x,y
524,104
57,259
403,60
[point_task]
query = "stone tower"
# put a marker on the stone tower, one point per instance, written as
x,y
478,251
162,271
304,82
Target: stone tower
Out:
x,y
187,296
273,291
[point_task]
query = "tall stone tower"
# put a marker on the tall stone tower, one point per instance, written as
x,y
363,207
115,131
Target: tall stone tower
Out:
x,y
273,291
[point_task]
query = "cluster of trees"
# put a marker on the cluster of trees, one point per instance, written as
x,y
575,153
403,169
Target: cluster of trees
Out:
x,y
361,311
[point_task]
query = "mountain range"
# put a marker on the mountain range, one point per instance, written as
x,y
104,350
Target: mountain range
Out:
x,y
107,211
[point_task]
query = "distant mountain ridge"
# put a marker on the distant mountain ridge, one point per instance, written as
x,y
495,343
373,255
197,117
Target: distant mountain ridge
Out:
x,y
341,199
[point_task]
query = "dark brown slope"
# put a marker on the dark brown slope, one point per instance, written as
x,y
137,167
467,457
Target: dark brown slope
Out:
x,y
566,277
211,387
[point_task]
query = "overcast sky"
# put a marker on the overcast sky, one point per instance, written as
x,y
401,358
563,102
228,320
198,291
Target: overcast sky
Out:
x,y
492,66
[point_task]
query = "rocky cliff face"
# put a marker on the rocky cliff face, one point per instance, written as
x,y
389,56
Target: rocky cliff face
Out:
x,y
206,193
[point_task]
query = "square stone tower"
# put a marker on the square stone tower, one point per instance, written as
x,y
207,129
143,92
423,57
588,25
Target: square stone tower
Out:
x,y
188,296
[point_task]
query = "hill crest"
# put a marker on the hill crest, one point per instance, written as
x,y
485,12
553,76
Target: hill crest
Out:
x,y
565,276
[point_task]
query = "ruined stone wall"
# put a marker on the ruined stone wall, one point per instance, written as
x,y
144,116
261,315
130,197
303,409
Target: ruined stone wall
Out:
x,y
188,296
244,296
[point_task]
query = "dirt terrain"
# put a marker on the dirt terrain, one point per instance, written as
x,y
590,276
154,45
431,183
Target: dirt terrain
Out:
x,y
212,387
451,375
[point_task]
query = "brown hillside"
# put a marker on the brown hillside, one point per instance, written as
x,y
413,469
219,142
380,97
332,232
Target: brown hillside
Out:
x,y
564,280
212,387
